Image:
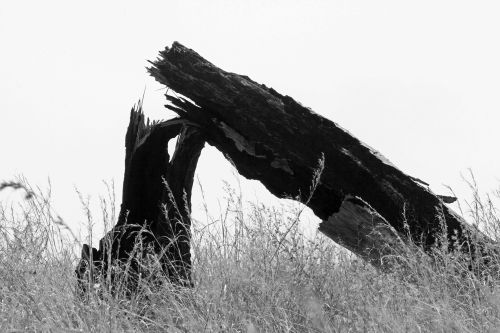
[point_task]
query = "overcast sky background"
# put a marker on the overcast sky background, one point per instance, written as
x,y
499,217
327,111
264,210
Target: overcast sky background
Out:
x,y
417,80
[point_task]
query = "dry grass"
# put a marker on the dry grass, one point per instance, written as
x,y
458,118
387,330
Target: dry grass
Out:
x,y
254,271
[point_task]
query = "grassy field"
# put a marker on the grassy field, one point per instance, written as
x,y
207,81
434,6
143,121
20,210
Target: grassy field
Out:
x,y
254,271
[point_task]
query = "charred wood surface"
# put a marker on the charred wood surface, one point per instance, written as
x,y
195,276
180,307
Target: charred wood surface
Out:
x,y
366,203
274,139
155,209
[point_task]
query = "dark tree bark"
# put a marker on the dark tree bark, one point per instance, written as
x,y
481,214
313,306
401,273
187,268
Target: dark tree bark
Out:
x,y
155,209
274,139
366,203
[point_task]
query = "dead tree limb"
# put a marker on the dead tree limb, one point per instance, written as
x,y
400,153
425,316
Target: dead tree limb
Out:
x,y
366,203
274,139
155,209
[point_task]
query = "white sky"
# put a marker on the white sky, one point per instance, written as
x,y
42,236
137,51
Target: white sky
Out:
x,y
417,80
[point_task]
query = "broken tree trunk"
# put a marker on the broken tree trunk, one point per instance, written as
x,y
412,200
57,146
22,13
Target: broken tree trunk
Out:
x,y
155,209
274,139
